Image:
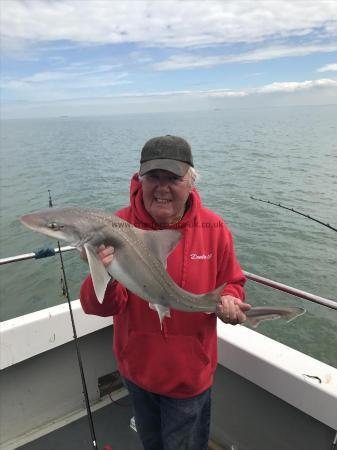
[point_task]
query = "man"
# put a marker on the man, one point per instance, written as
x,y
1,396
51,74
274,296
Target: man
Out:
x,y
168,367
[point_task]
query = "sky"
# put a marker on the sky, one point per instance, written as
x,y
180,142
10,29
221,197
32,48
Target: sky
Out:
x,y
98,57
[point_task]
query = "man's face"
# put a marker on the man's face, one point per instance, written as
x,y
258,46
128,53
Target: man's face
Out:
x,y
165,195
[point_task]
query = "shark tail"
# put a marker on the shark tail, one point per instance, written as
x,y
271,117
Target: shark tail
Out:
x,y
295,312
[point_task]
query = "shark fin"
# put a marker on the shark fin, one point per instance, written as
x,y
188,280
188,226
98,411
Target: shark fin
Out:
x,y
163,311
295,313
160,243
99,274
255,321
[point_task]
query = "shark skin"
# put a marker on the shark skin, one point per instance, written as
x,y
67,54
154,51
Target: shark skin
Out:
x,y
139,261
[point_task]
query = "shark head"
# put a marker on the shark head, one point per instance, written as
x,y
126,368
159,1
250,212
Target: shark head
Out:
x,y
67,224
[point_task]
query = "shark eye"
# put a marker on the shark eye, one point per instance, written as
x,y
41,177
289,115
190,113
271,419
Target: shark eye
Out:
x,y
54,226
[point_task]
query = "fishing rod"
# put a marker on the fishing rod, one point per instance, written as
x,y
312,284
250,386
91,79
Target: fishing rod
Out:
x,y
38,254
43,253
79,357
295,211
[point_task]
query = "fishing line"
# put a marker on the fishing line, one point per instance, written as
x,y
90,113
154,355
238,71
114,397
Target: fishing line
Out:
x,y
295,211
79,358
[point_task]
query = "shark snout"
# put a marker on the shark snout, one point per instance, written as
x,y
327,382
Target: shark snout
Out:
x,y
30,220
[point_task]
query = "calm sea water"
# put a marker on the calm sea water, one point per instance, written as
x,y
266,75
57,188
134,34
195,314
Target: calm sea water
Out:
x,y
286,155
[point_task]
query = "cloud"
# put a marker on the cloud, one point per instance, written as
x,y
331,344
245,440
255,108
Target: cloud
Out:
x,y
317,92
328,68
267,53
293,86
72,49
283,87
38,87
75,79
170,23
225,93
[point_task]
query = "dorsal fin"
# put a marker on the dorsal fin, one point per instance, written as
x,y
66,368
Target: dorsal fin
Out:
x,y
160,243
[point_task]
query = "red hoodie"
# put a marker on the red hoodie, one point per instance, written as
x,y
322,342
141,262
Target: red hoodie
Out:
x,y
179,358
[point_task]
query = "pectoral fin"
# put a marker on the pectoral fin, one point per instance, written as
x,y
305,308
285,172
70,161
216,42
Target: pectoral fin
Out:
x,y
99,274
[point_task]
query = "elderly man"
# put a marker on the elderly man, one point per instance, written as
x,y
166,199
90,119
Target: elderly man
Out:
x,y
168,368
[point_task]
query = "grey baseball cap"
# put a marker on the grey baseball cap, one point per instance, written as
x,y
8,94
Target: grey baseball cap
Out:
x,y
168,152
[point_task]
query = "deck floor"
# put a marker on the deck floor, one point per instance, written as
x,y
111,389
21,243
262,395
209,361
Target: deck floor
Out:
x,y
112,427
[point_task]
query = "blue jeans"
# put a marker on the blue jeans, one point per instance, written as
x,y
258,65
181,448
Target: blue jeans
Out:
x,y
166,423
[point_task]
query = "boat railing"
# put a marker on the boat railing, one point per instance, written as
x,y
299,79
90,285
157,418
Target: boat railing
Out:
x,y
292,291
46,252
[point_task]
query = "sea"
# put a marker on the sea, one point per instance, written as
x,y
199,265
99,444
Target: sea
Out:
x,y
285,155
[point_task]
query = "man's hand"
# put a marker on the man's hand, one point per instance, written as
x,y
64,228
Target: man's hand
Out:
x,y
232,310
104,253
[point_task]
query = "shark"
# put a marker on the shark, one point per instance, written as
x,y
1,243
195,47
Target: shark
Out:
x,y
258,314
139,261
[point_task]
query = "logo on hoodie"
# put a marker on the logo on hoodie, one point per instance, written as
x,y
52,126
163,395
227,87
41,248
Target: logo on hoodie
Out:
x,y
201,257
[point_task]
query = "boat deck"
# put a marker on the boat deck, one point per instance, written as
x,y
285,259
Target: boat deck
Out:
x,y
258,382
112,427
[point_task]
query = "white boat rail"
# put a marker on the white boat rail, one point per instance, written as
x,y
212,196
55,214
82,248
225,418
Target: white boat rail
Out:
x,y
46,252
38,254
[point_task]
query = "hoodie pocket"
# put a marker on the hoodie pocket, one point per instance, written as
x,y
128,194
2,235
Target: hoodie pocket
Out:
x,y
175,365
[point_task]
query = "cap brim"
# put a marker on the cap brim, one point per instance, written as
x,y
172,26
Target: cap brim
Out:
x,y
177,167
